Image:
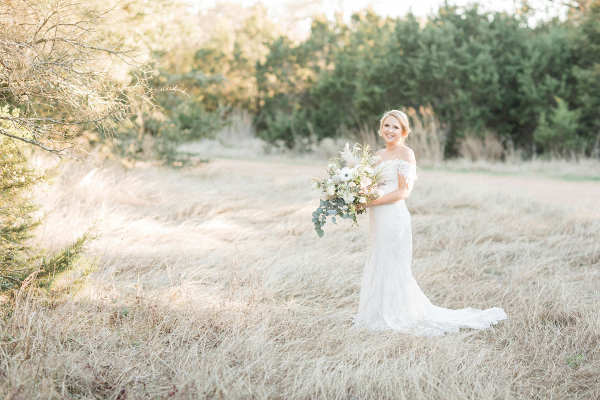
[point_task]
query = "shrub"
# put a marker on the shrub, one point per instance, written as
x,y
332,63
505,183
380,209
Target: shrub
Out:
x,y
21,262
557,131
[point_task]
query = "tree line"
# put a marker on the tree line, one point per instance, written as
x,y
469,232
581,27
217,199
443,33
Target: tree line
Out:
x,y
478,72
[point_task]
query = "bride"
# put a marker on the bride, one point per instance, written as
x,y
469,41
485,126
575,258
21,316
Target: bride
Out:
x,y
390,298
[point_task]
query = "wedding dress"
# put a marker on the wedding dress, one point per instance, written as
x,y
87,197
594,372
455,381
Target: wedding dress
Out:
x,y
390,298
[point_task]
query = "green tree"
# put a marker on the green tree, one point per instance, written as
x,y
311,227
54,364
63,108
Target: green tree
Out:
x,y
557,132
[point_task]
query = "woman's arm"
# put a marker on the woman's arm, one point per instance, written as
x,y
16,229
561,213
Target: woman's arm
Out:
x,y
393,197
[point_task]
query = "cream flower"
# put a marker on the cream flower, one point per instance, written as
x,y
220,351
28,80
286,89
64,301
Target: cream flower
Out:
x,y
348,197
351,159
361,199
326,196
336,179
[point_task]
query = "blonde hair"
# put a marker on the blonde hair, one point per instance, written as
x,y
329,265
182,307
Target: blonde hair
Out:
x,y
402,118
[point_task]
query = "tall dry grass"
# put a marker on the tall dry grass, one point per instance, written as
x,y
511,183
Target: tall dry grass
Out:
x,y
211,283
485,153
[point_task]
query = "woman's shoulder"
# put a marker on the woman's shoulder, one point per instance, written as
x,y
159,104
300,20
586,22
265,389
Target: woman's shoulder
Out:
x,y
407,154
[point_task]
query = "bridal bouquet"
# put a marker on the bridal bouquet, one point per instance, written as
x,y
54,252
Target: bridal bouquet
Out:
x,y
352,181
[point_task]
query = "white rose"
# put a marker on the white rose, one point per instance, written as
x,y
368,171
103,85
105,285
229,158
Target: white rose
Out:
x,y
364,182
361,199
348,197
331,190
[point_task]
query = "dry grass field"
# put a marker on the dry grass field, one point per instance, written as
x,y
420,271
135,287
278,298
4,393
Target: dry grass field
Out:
x,y
210,282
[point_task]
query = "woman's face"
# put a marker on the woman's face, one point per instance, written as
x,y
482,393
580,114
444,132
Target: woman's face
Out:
x,y
391,130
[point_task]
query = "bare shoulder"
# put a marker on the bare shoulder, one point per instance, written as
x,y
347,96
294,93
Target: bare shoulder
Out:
x,y
380,153
407,154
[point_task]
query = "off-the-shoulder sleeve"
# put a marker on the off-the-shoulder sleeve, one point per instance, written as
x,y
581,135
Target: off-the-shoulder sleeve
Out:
x,y
407,170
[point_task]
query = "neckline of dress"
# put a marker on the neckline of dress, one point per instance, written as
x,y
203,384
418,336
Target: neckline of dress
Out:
x,y
399,159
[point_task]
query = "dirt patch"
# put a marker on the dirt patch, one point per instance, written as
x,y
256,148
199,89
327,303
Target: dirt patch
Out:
x,y
580,194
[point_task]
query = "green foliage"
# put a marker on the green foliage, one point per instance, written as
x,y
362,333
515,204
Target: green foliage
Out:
x,y
17,211
65,261
477,71
18,221
557,132
584,40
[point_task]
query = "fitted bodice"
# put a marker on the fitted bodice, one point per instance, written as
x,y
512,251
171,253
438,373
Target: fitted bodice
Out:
x,y
390,171
390,298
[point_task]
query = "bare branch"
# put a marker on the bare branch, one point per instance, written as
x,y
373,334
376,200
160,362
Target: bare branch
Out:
x,y
58,63
32,142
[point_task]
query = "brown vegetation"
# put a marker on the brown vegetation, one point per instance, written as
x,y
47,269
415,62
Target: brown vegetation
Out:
x,y
60,69
211,283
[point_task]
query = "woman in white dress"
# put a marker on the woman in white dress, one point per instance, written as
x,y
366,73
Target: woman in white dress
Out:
x,y
390,298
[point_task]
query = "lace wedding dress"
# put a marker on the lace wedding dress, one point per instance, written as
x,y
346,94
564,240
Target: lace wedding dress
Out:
x,y
389,295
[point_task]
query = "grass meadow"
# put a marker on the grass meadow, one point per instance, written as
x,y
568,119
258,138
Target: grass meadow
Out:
x,y
210,282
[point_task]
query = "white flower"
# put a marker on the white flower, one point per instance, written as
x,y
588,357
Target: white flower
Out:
x,y
365,181
361,199
331,190
336,179
348,197
346,174
352,184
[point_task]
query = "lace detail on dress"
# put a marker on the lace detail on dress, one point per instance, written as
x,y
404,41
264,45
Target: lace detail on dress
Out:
x,y
406,169
390,298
